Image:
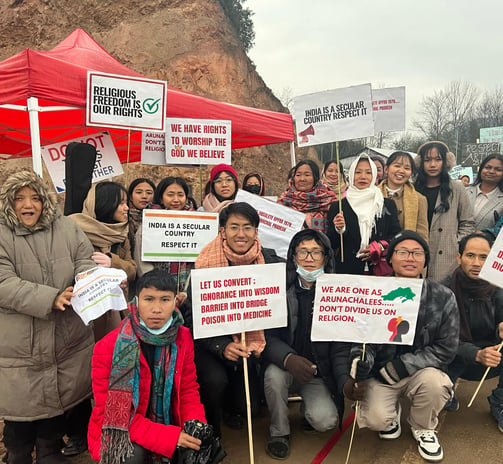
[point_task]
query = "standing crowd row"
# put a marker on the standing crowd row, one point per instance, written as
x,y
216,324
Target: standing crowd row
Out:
x,y
160,396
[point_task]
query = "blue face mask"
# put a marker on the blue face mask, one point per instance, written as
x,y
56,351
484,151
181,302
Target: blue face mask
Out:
x,y
310,276
158,331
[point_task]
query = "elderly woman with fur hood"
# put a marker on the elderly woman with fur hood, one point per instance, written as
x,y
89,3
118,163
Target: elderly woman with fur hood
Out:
x,y
45,348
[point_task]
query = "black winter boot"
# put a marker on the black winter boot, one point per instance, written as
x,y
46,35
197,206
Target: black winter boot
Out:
x,y
49,451
19,454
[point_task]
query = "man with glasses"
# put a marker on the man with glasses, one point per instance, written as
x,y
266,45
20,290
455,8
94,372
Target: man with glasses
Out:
x,y
417,372
480,307
297,364
219,360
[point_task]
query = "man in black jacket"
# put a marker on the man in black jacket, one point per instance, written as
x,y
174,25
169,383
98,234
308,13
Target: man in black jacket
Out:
x,y
296,363
481,322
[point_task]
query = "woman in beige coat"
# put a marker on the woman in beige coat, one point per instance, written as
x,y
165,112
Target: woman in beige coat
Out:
x,y
450,213
45,348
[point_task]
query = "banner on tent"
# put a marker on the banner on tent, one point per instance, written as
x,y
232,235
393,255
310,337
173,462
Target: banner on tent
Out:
x,y
334,115
363,309
176,235
198,141
388,106
235,299
278,223
492,270
125,102
107,161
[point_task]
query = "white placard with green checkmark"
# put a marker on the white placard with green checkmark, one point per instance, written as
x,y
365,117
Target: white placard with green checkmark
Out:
x,y
125,102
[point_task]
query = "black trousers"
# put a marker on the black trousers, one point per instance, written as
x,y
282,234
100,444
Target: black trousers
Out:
x,y
17,434
77,419
222,387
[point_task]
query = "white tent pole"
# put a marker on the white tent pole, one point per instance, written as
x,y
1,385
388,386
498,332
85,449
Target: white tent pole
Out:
x,y
36,152
292,153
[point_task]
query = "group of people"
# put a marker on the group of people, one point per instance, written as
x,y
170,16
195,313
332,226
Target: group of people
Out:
x,y
153,386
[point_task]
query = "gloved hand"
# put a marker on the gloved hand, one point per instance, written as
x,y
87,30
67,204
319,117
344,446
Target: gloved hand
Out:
x,y
301,368
393,371
353,390
360,370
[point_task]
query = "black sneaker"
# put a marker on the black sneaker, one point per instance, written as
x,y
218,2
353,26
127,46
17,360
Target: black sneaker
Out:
x,y
74,446
307,427
452,404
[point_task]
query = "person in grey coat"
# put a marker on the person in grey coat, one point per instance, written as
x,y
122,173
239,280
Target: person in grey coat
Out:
x,y
45,348
450,213
486,193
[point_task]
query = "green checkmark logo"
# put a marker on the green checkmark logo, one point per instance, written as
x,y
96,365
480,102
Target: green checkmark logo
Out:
x,y
151,106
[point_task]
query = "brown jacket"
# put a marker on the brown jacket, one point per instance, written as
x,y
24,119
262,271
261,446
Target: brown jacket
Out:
x,y
45,354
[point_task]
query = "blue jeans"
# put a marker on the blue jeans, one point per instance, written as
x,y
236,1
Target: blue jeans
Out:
x,y
459,368
319,409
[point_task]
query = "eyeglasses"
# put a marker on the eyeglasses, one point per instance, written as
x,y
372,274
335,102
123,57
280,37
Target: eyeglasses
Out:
x,y
246,229
227,180
316,255
402,255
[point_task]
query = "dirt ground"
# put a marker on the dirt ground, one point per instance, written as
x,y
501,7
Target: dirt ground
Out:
x,y
467,436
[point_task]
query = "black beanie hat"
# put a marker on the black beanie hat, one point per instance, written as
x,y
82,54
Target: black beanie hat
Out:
x,y
408,235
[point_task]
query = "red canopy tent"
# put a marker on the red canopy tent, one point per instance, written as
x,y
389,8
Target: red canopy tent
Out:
x,y
43,99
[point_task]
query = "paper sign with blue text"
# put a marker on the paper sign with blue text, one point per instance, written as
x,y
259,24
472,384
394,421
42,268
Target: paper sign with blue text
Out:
x,y
236,299
366,309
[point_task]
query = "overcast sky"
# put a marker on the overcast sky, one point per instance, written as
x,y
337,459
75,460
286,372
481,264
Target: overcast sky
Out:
x,y
315,45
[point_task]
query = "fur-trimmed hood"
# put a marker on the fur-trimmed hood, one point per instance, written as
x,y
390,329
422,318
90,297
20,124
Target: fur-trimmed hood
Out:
x,y
16,181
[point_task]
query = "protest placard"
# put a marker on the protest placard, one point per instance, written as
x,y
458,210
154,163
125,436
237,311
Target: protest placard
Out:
x,y
198,141
98,291
365,309
388,107
107,161
278,223
176,235
472,154
491,134
334,115
457,171
236,299
492,270
153,148
125,102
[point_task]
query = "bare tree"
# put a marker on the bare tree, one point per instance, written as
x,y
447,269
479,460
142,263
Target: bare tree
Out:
x,y
489,111
448,113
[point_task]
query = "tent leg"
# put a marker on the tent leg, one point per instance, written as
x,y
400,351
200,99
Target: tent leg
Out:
x,y
36,151
292,153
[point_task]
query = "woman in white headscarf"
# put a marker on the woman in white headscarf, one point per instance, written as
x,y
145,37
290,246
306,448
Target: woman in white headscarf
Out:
x,y
367,221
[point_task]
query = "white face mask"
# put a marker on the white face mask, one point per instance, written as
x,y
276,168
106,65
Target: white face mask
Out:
x,y
310,276
158,331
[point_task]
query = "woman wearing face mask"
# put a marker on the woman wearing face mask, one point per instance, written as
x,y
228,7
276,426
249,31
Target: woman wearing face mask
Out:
x,y
223,188
333,177
104,220
45,348
308,195
140,194
254,183
171,194
412,207
486,194
366,220
450,213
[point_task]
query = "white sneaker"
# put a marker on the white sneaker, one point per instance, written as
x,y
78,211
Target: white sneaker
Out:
x,y
428,445
394,430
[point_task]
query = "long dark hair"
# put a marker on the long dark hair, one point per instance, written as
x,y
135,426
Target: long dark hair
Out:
x,y
445,180
165,183
134,183
342,176
108,197
402,154
488,158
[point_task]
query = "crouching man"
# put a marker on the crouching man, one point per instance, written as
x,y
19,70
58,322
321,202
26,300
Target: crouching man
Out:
x,y
144,380
296,363
417,372
480,307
